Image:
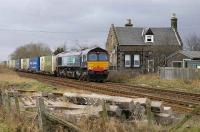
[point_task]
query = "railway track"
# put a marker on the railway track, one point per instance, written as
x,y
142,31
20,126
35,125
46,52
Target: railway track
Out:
x,y
179,101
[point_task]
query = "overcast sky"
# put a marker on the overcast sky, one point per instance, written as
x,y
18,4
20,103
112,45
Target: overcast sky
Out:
x,y
86,21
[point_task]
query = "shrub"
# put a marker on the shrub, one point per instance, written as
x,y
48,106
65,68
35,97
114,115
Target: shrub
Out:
x,y
121,76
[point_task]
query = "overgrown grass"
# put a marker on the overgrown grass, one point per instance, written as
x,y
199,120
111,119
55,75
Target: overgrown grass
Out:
x,y
153,80
113,125
121,76
9,79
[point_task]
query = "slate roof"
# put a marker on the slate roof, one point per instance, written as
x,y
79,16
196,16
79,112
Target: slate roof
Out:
x,y
133,36
191,54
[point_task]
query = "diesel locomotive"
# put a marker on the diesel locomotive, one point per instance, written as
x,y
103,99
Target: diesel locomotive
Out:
x,y
91,64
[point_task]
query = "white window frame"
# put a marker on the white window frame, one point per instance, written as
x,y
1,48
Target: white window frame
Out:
x,y
127,58
138,59
176,62
149,36
184,60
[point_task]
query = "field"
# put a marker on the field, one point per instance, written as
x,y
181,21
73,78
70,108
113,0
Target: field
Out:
x,y
9,79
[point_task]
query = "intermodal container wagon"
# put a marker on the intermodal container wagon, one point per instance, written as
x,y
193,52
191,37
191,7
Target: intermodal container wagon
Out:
x,y
34,64
7,63
3,63
18,64
48,64
25,64
11,64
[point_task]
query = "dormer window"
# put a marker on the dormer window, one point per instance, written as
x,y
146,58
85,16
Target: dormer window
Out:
x,y
148,35
149,38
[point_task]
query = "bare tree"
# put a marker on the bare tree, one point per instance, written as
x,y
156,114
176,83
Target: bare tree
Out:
x,y
161,52
193,43
82,46
59,49
31,50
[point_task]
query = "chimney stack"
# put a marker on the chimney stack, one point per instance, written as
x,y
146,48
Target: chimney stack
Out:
x,y
174,21
129,24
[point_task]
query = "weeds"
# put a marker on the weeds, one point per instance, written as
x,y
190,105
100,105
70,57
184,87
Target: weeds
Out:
x,y
153,80
121,76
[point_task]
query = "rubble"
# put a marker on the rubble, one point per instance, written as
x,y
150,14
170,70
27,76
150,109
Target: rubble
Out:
x,y
163,118
74,106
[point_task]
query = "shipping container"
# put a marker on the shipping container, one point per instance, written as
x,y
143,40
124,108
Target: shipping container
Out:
x,y
18,64
34,64
7,64
25,64
48,64
11,64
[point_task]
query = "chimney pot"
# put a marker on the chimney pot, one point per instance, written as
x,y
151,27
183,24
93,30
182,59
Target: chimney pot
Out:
x,y
129,24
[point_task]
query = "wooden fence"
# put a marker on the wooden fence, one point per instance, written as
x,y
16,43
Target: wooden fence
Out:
x,y
9,101
179,73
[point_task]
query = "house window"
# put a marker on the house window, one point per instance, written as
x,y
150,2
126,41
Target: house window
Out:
x,y
149,38
136,60
177,63
127,60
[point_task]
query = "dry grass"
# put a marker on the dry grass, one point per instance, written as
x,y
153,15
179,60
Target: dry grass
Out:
x,y
114,125
121,76
153,80
10,79
12,123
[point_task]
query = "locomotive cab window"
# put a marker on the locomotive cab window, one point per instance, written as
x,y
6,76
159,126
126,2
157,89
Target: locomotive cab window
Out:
x,y
92,57
103,57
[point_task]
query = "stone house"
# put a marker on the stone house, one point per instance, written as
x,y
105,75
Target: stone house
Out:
x,y
184,59
134,48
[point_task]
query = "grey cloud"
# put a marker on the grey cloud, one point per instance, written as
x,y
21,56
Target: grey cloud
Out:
x,y
87,21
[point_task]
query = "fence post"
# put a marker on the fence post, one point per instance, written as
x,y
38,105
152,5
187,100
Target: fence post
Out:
x,y
8,103
15,95
1,98
4,100
104,114
149,114
41,114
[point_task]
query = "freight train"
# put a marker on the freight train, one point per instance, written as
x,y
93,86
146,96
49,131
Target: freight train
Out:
x,y
90,64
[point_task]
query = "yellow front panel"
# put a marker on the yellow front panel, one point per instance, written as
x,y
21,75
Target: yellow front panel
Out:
x,y
97,65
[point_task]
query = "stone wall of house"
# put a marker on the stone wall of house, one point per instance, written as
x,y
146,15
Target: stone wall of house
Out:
x,y
111,40
140,50
111,46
